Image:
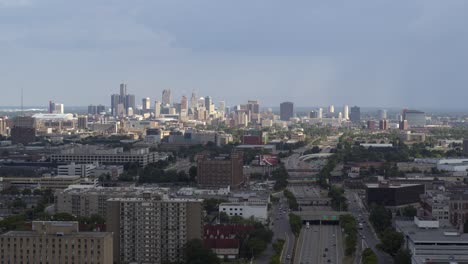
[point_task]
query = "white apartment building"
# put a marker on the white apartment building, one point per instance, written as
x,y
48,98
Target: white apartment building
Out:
x,y
258,211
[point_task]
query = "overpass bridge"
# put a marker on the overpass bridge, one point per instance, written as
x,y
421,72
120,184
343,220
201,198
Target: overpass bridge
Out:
x,y
315,156
320,217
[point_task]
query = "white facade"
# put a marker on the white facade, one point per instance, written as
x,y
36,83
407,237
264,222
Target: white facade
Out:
x,y
82,170
258,211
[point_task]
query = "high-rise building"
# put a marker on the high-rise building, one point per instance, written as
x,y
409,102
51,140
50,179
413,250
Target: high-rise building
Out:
x,y
24,130
166,97
130,102
331,109
51,107
123,91
157,109
313,114
221,171
56,242
154,228
404,125
371,124
3,126
286,111
320,113
193,101
101,109
59,109
115,101
92,109
383,124
208,103
415,118
222,106
146,104
465,146
355,115
382,113
346,112
254,109
184,103
82,122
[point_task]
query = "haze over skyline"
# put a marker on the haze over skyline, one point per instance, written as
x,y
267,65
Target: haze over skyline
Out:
x,y
364,52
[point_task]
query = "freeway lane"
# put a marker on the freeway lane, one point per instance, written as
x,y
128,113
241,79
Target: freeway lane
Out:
x,y
319,244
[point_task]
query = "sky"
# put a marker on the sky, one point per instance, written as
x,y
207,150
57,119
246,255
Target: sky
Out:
x,y
395,53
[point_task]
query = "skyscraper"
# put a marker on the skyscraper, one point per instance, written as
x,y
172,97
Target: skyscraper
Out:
x,y
355,115
123,90
346,112
166,97
130,102
51,107
320,112
382,114
193,101
222,106
331,109
115,101
184,103
157,109
286,111
146,104
209,104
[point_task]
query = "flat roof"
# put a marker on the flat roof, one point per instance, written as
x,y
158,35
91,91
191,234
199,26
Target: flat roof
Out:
x,y
36,234
421,235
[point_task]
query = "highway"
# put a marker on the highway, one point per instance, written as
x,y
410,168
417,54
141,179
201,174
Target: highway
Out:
x,y
319,244
368,238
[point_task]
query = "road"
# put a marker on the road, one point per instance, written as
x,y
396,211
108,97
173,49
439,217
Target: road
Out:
x,y
320,244
368,238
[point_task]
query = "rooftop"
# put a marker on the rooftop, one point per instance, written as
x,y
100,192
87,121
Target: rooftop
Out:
x,y
439,235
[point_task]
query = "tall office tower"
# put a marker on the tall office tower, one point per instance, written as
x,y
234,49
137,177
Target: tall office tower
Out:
x,y
130,111
221,171
313,114
115,101
166,97
51,107
383,124
371,124
146,104
286,111
157,109
154,228
92,109
193,101
130,102
100,109
59,109
56,242
355,115
415,118
184,103
201,102
222,106
24,130
320,112
209,104
346,112
82,122
253,107
465,146
123,91
382,114
3,126
331,109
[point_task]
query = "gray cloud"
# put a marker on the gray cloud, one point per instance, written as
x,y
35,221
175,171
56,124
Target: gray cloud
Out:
x,y
365,52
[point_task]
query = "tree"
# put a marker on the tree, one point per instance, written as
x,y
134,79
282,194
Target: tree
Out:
x,y
63,217
26,191
369,257
409,211
296,223
193,173
380,218
391,241
18,203
197,253
403,256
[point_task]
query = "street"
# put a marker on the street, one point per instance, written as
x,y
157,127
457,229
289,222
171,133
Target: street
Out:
x,y
367,237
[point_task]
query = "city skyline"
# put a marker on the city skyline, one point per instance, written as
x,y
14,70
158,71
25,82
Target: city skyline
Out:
x,y
377,54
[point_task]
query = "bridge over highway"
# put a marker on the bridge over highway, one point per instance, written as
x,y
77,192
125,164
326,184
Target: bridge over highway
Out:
x,y
320,217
